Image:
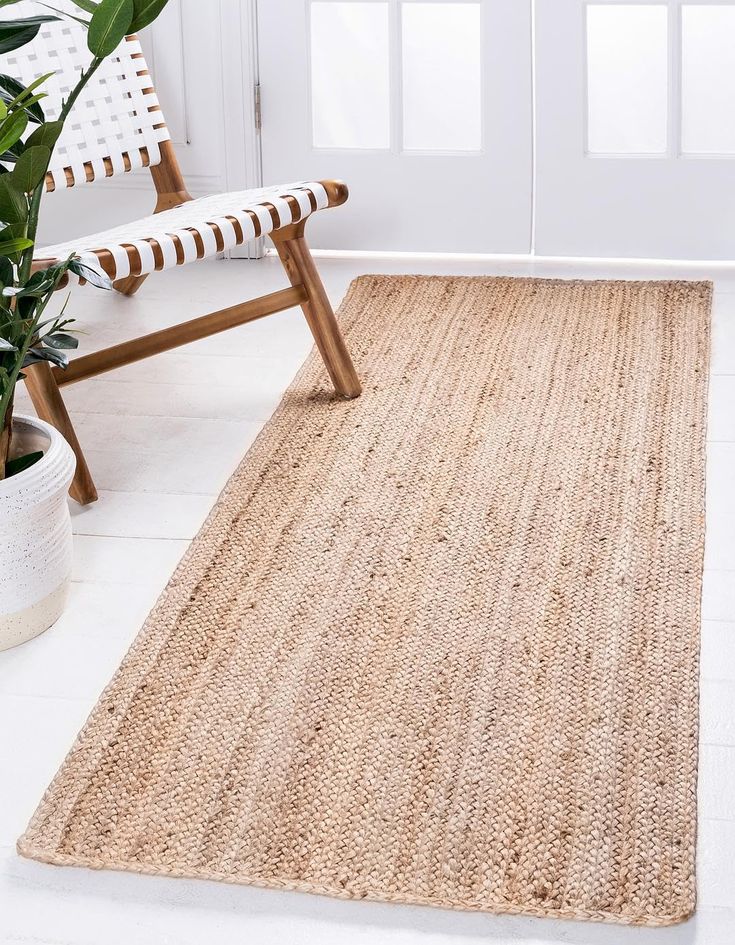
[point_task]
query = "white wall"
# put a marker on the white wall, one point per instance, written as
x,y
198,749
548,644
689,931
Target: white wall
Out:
x,y
201,60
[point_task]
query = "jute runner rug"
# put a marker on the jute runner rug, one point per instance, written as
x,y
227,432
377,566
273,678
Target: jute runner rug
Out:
x,y
437,645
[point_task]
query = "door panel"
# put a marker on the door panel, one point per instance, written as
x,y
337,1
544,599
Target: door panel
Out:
x,y
635,128
423,107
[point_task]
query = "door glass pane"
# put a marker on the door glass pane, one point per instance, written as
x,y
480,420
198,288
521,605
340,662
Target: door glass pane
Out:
x,y
441,76
708,79
350,103
627,79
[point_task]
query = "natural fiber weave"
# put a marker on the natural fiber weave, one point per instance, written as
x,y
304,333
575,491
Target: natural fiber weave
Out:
x,y
438,644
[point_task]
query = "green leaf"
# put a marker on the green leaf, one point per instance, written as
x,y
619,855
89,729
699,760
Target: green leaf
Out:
x,y
46,135
60,339
14,152
52,321
109,25
7,270
11,91
29,103
14,231
12,129
8,235
26,308
21,463
34,289
25,93
93,276
78,19
11,247
35,355
14,40
45,279
89,6
31,167
13,204
146,12
23,21
17,33
40,276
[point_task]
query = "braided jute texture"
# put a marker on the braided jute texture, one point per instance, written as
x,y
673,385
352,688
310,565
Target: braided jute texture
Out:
x,y
438,644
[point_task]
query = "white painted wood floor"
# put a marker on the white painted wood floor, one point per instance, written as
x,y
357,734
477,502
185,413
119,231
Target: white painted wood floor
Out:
x,y
162,438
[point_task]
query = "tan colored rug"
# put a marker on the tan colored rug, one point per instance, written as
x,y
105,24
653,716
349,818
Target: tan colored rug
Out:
x,y
438,645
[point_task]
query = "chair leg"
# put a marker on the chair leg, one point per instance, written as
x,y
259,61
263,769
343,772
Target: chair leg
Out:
x,y
129,285
300,268
47,400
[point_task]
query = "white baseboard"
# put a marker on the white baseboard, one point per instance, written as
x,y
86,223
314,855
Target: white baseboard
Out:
x,y
539,262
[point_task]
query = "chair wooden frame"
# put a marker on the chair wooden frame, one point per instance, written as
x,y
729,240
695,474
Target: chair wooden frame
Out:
x,y
306,290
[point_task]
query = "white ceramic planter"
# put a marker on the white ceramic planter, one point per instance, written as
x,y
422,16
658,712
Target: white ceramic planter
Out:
x,y
35,534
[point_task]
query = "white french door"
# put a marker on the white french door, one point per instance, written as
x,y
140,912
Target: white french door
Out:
x,y
426,109
635,125
423,106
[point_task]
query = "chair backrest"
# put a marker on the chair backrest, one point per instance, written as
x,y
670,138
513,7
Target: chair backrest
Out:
x,y
116,124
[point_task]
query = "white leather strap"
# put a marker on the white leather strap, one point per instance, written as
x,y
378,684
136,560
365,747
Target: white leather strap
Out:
x,y
179,224
115,115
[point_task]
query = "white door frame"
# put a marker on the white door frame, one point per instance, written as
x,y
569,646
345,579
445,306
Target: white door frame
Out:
x,y
240,132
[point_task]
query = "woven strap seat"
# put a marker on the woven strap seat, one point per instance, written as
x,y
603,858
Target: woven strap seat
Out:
x,y
117,124
195,230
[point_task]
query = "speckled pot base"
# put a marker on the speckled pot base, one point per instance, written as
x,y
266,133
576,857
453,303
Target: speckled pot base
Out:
x,y
26,624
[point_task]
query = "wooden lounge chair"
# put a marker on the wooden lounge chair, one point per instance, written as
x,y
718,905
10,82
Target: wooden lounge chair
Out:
x,y
118,125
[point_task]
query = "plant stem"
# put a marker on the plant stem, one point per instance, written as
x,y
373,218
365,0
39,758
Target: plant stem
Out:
x,y
35,202
6,434
6,401
24,272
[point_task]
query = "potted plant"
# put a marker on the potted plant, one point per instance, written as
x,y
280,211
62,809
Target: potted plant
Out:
x,y
36,464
